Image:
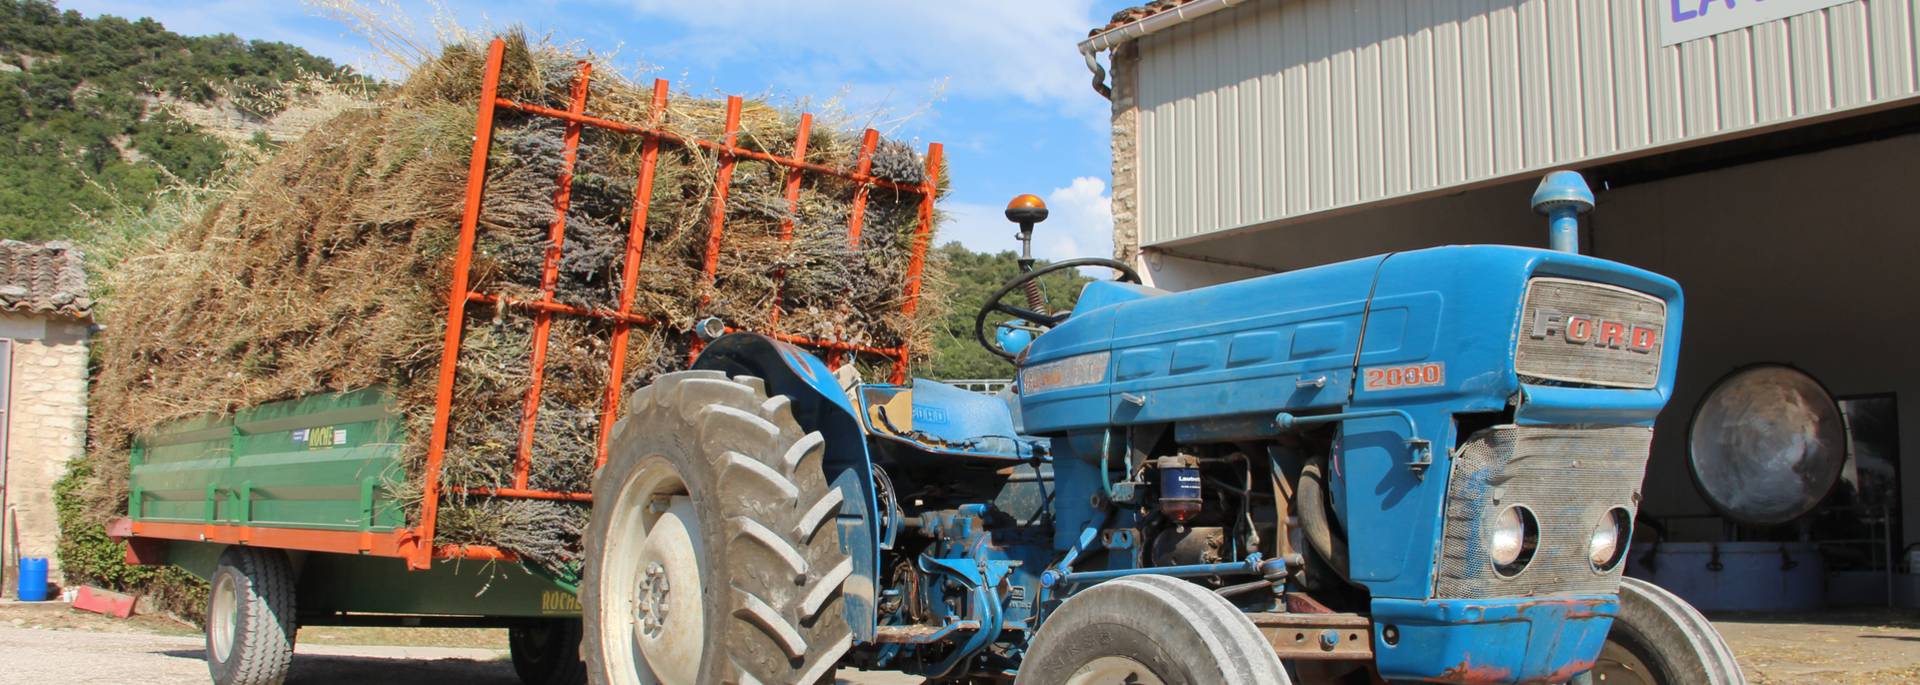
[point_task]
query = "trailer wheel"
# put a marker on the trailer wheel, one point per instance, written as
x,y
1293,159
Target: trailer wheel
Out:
x,y
1149,630
250,619
712,555
1658,639
547,652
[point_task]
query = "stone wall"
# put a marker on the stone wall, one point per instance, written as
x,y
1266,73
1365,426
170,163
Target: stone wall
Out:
x,y
1126,181
47,421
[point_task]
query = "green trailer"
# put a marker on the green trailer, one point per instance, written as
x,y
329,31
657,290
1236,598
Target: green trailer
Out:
x,y
303,511
257,503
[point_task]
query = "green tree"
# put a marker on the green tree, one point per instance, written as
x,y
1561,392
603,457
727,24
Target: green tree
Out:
x,y
81,129
972,277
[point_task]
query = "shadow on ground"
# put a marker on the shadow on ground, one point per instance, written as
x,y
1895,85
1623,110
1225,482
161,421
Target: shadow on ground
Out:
x,y
361,670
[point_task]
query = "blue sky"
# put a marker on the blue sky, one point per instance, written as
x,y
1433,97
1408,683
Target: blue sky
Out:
x,y
999,82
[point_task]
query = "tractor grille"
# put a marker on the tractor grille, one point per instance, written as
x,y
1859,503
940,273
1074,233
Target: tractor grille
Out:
x,y
1590,333
1568,476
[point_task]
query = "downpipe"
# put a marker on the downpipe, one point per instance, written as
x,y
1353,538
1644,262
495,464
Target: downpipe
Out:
x,y
1107,40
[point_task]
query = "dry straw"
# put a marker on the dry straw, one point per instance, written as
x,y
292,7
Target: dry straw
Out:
x,y
325,268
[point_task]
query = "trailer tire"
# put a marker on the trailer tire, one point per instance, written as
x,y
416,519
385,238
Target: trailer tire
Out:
x,y
250,617
1659,639
547,652
1149,629
712,554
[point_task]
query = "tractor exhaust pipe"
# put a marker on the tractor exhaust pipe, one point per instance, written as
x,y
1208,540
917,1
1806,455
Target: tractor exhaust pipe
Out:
x,y
1563,196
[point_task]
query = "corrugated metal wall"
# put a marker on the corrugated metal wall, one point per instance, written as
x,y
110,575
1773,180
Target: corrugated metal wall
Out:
x,y
1282,108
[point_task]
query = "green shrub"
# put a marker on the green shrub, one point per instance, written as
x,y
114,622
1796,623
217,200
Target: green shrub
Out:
x,y
88,556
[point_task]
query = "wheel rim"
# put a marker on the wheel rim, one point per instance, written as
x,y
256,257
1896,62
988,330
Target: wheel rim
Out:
x,y
651,601
223,618
1114,670
1619,665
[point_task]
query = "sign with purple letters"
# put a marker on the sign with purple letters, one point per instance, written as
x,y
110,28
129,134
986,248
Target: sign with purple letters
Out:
x,y
1685,20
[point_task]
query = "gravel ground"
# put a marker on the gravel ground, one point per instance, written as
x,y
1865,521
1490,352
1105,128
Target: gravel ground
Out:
x,y
49,644
1842,648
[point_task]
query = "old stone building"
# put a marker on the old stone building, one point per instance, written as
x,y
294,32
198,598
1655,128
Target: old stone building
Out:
x,y
45,322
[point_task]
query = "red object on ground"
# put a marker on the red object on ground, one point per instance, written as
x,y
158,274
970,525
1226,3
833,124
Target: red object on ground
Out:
x,y
105,602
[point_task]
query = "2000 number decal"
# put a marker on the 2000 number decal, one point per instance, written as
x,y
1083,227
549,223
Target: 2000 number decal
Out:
x,y
1425,375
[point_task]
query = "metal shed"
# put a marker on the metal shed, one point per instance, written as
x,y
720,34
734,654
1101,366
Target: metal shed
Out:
x,y
1759,152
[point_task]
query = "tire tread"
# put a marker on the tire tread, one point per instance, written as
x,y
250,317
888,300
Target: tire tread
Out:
x,y
263,644
772,503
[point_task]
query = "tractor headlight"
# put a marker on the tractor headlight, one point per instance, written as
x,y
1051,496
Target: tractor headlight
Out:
x,y
1511,539
1607,544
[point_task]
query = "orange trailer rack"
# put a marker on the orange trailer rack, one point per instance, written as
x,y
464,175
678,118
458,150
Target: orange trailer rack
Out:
x,y
416,545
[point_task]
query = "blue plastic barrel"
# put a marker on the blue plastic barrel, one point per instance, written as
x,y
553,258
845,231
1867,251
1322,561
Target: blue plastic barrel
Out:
x,y
33,579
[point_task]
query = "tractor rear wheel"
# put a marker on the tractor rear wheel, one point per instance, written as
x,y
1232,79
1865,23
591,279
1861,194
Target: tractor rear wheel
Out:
x,y
1658,639
547,652
1149,630
250,619
712,555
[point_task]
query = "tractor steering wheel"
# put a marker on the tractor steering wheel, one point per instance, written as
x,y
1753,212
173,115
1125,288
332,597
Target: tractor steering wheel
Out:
x,y
993,304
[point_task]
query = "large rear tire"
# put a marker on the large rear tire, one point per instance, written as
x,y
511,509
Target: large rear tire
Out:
x,y
547,652
1149,630
1659,639
250,619
712,555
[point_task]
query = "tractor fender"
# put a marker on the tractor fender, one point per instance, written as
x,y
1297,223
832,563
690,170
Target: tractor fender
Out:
x,y
819,404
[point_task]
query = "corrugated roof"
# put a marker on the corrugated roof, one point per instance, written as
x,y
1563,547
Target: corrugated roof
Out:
x,y
43,278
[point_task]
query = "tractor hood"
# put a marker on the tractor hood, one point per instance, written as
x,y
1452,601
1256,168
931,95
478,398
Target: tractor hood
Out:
x,y
1131,354
1297,341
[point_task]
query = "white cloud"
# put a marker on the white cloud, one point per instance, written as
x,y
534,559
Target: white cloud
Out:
x,y
984,49
1080,221
1079,224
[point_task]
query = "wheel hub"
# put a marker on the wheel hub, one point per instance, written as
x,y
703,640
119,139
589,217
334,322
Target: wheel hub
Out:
x,y
1114,670
650,608
224,620
1618,665
656,546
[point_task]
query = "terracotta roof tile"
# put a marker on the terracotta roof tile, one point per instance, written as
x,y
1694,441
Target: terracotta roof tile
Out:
x,y
43,278
1133,14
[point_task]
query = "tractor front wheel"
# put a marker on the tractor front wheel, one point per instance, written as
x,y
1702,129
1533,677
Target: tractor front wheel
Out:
x,y
712,554
1149,630
1658,639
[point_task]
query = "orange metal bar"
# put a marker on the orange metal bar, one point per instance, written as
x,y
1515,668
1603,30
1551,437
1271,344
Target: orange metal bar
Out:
x,y
717,213
801,135
524,493
560,308
918,265
398,543
474,553
725,149
921,236
858,218
825,344
456,307
550,276
636,246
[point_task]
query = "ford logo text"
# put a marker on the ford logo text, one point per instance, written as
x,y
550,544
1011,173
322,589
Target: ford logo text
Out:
x,y
1583,329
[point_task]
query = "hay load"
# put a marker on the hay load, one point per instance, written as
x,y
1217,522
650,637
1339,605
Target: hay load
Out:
x,y
326,269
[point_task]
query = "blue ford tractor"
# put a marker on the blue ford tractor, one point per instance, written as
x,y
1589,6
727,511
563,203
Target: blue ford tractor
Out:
x,y
1419,466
